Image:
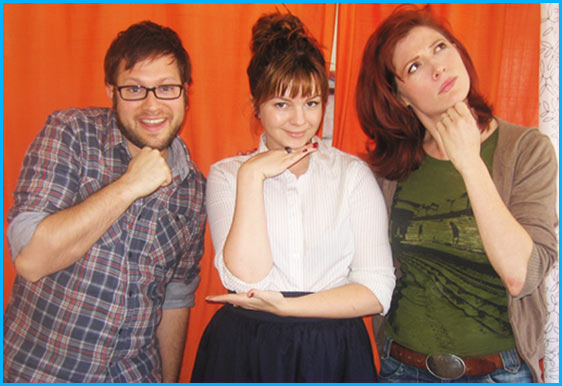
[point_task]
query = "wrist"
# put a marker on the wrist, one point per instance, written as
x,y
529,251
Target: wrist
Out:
x,y
284,307
473,169
124,190
248,175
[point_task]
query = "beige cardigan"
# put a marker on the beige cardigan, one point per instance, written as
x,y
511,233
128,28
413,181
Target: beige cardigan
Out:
x,y
524,171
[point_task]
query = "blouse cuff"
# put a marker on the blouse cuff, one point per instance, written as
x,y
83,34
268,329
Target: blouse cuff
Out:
x,y
382,287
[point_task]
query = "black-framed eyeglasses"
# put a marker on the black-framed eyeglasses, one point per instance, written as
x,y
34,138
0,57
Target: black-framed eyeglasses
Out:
x,y
137,93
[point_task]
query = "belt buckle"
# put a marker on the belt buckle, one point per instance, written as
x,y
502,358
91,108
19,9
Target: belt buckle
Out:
x,y
447,367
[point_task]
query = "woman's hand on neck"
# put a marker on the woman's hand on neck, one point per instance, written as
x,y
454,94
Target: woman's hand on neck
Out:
x,y
455,136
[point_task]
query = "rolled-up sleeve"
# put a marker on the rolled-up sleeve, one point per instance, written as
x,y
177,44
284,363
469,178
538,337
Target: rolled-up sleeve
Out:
x,y
181,295
21,230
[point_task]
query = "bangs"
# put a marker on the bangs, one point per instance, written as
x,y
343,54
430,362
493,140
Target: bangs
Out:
x,y
299,83
298,77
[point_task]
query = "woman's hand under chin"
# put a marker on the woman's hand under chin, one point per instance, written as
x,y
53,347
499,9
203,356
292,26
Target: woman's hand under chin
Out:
x,y
461,136
274,162
456,136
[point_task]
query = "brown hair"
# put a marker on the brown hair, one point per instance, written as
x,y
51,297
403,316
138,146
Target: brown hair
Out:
x,y
145,40
396,134
285,55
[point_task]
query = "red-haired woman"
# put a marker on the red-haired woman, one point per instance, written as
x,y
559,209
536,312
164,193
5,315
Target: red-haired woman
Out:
x,y
471,200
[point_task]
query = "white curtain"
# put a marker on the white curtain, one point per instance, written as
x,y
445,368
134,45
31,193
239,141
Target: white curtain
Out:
x,y
548,123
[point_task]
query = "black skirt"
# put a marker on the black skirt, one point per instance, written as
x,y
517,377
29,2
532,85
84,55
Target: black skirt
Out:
x,y
242,345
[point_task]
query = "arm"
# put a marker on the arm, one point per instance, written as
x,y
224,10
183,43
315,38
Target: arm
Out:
x,y
348,301
506,242
246,251
64,237
171,333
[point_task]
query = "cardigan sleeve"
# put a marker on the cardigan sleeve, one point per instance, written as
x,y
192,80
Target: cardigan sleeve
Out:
x,y
532,201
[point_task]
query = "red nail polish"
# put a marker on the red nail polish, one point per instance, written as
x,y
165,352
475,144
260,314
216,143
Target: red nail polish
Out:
x,y
251,295
305,150
315,145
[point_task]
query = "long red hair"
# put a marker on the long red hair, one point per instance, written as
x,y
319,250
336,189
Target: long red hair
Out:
x,y
396,134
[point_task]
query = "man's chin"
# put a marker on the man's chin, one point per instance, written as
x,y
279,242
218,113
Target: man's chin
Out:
x,y
158,145
153,143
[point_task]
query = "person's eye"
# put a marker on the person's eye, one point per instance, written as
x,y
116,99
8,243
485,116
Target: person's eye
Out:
x,y
313,103
440,46
413,67
280,105
165,88
135,89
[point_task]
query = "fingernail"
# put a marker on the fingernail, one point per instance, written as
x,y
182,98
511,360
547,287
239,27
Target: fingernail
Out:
x,y
251,295
315,145
305,150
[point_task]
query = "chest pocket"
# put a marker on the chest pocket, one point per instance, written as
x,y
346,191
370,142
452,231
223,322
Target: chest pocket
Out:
x,y
173,237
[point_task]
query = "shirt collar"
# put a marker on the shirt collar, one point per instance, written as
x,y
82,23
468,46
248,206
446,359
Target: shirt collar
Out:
x,y
179,159
114,137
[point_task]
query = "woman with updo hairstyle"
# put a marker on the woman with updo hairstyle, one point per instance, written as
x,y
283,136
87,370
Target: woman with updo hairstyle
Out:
x,y
471,202
299,230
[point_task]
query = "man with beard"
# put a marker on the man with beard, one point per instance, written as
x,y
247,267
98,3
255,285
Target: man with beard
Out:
x,y
107,228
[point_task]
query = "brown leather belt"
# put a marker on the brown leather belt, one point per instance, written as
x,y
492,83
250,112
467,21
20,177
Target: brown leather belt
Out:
x,y
476,365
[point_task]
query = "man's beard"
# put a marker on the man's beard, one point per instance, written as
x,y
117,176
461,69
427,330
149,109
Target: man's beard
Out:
x,y
136,139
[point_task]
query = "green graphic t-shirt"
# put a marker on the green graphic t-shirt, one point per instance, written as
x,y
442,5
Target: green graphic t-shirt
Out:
x,y
449,299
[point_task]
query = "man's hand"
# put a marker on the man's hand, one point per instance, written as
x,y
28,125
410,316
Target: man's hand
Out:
x,y
147,172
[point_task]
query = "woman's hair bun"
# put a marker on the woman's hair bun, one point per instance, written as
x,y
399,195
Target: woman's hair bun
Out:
x,y
285,56
278,32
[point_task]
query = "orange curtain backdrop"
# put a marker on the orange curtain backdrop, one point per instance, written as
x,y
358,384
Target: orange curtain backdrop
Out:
x,y
53,59
502,39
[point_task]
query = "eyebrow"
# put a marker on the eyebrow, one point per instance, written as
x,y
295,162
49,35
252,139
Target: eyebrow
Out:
x,y
166,80
433,44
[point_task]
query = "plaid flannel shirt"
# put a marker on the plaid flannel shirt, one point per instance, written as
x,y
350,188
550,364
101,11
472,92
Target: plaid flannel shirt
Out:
x,y
96,320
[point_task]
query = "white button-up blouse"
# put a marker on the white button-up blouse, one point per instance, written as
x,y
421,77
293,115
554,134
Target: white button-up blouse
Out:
x,y
327,228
